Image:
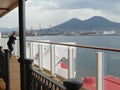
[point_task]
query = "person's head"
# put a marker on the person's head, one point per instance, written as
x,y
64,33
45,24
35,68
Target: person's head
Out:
x,y
13,33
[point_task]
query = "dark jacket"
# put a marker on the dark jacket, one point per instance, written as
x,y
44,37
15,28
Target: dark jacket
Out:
x,y
11,40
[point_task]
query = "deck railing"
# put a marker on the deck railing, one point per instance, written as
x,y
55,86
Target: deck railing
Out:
x,y
36,80
82,60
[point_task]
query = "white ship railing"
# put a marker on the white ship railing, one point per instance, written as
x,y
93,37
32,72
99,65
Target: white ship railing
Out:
x,y
48,55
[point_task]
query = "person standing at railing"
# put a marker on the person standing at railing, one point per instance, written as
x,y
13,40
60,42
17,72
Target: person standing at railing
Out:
x,y
11,42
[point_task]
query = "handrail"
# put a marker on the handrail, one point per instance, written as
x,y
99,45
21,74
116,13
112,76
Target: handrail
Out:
x,y
80,46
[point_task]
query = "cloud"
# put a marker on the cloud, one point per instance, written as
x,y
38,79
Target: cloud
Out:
x,y
57,11
54,12
110,6
73,4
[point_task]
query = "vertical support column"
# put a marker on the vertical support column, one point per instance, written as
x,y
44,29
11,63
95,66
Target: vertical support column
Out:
x,y
22,29
40,57
52,59
1,61
7,71
100,71
28,73
31,50
70,63
22,40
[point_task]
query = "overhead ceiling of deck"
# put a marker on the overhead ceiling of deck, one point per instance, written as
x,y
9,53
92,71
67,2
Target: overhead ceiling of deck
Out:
x,y
6,6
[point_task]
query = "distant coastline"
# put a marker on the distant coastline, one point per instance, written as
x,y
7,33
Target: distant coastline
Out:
x,y
96,25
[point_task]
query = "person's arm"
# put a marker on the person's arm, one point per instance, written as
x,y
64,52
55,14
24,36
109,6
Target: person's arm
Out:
x,y
14,36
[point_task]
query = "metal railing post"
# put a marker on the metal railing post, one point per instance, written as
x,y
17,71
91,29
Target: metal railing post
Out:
x,y
52,58
40,56
2,64
100,71
31,50
73,84
7,71
28,73
70,63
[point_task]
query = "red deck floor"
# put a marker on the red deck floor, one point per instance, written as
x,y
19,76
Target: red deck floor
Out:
x,y
110,83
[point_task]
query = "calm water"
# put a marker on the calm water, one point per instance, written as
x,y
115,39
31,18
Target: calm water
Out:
x,y
105,41
86,59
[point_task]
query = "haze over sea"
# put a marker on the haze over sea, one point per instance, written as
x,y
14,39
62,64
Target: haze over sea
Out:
x,y
86,62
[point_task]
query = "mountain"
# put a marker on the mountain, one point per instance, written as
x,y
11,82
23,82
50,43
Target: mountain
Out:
x,y
2,29
100,23
96,23
71,24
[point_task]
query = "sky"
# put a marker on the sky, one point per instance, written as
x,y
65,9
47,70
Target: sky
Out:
x,y
48,13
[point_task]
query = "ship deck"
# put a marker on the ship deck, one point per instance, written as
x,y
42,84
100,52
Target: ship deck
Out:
x,y
15,76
